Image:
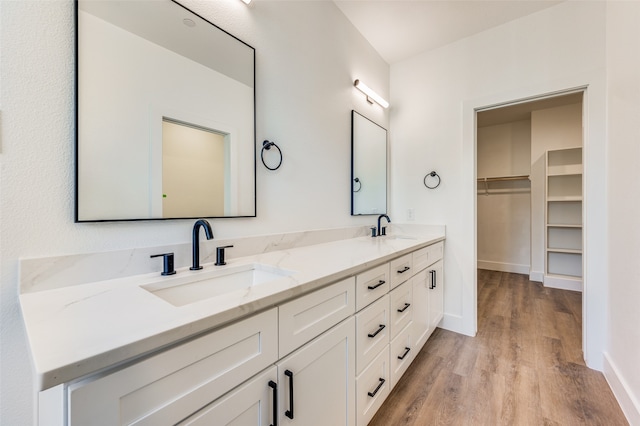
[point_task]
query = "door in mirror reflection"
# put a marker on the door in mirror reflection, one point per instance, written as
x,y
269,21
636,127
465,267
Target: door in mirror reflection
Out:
x,y
368,166
193,170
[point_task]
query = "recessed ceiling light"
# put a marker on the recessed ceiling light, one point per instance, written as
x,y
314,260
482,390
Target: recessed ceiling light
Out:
x,y
189,22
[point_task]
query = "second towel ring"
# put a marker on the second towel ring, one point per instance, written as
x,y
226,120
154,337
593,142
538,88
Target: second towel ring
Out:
x,y
357,180
431,174
267,145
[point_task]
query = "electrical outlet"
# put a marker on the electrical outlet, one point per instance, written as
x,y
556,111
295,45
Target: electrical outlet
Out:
x,y
410,215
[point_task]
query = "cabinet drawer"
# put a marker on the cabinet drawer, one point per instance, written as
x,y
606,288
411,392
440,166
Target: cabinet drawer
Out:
x,y
372,388
401,353
400,270
400,308
173,384
371,285
372,332
304,318
427,256
249,404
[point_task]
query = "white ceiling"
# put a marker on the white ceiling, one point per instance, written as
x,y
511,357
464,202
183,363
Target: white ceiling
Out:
x,y
399,29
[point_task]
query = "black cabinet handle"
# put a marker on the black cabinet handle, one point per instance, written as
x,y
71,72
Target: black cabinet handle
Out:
x,y
289,413
273,385
406,351
406,306
373,287
403,270
433,276
375,333
372,394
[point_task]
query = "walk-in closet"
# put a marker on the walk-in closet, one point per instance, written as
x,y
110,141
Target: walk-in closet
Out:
x,y
529,193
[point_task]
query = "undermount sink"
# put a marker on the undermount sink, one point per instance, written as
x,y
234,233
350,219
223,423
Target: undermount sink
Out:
x,y
196,286
399,237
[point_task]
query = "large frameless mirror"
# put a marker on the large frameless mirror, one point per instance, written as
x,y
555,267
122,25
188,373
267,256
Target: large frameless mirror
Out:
x,y
165,114
368,166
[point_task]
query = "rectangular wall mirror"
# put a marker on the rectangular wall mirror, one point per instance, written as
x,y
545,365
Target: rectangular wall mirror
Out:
x,y
165,114
368,166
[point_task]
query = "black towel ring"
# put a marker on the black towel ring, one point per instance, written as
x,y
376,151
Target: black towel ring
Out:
x,y
267,145
357,180
432,174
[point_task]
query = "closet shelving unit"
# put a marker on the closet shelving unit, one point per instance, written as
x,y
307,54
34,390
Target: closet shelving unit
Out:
x,y
563,219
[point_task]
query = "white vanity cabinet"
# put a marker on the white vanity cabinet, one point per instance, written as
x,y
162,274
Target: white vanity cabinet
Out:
x,y
329,357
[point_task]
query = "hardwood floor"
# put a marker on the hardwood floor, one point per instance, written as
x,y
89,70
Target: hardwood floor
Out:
x,y
524,367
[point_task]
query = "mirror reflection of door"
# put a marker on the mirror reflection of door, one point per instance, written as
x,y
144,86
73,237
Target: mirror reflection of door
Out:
x,y
193,173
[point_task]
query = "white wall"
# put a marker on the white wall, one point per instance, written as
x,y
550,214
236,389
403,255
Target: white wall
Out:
x,y
504,207
623,101
432,127
551,128
307,57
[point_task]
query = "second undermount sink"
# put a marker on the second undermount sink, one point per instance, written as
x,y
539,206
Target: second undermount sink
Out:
x,y
194,287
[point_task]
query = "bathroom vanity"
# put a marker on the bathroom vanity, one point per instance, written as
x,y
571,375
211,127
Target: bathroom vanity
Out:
x,y
320,339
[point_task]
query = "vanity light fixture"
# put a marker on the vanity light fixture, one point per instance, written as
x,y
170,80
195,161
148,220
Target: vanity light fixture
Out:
x,y
371,95
246,1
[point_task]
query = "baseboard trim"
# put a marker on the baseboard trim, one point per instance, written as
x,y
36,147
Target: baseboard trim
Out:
x,y
562,283
536,276
454,323
503,267
627,400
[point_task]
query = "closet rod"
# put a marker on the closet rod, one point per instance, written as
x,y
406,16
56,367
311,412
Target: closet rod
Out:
x,y
497,178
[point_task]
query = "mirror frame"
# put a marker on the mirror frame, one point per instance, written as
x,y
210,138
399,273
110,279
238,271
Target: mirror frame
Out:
x,y
386,166
76,130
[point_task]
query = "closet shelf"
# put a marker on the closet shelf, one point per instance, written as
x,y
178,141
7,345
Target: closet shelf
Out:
x,y
565,198
565,170
563,250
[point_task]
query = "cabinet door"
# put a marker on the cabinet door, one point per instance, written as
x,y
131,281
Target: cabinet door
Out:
x,y
316,383
251,404
421,319
436,294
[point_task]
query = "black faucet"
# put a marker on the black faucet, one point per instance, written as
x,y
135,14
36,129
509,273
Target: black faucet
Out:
x,y
380,231
195,249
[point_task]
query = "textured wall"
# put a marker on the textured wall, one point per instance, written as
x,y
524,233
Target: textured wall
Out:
x,y
308,55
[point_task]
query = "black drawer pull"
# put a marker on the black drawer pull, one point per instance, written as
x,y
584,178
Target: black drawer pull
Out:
x,y
273,385
403,270
406,306
373,287
406,351
375,333
289,413
432,285
372,394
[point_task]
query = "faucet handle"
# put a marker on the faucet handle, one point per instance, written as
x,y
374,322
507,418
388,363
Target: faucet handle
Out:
x,y
167,263
220,255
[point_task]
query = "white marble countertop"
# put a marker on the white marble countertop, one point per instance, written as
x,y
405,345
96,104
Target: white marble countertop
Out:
x,y
82,329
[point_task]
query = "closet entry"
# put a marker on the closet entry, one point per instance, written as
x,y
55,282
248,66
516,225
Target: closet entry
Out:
x,y
529,193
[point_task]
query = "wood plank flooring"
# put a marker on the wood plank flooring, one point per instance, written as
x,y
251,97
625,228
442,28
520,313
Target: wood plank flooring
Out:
x,y
524,367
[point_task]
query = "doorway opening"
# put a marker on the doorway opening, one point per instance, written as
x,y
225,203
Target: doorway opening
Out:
x,y
529,216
